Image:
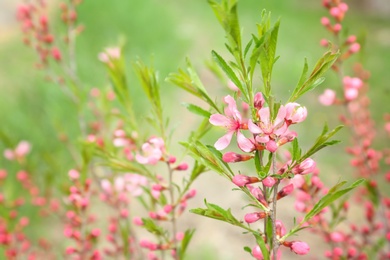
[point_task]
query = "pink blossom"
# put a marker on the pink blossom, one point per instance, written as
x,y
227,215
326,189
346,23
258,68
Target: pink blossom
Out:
x,y
73,174
325,21
337,28
110,54
256,253
138,221
56,54
21,150
258,100
232,86
242,180
134,183
253,217
268,130
269,181
3,174
182,167
152,151
337,237
232,121
300,248
354,48
351,94
328,97
232,157
295,113
280,229
305,167
285,191
355,82
179,236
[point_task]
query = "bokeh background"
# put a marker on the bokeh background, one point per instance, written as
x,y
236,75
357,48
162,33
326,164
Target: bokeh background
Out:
x,y
165,33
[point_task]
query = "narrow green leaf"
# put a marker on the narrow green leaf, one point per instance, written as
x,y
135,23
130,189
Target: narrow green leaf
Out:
x,y
197,110
229,72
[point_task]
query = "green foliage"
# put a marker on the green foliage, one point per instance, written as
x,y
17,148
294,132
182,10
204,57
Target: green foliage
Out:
x,y
305,83
216,212
190,82
334,193
209,157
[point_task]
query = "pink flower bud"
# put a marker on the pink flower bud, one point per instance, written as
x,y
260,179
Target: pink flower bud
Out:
x,y
190,194
70,250
328,97
56,54
95,232
242,180
285,191
268,181
147,244
256,253
335,12
138,221
337,237
258,100
351,94
305,167
325,21
231,157
280,229
73,174
124,213
351,39
324,42
3,174
354,48
22,176
343,7
179,236
253,217
172,159
337,28
68,232
271,146
168,208
182,167
295,113
232,86
300,248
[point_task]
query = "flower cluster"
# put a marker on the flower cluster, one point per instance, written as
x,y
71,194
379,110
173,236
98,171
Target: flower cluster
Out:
x,y
268,133
78,219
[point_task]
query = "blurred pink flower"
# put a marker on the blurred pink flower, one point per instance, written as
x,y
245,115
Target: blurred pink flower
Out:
x,y
328,97
152,151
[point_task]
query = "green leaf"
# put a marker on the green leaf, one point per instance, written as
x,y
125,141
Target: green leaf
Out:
x,y
206,157
197,110
306,84
216,212
184,243
150,226
230,73
333,194
262,245
190,82
322,142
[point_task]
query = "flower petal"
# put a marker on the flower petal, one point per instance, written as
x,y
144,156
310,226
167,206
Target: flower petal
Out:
x,y
253,128
244,143
224,141
219,120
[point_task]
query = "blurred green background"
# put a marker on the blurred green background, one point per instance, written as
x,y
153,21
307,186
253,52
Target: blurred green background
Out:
x,y
163,33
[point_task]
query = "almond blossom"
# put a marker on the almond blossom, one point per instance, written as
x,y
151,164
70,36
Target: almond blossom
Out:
x,y
233,122
152,151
